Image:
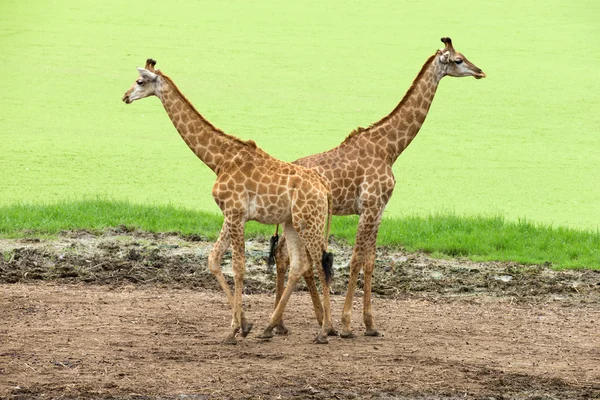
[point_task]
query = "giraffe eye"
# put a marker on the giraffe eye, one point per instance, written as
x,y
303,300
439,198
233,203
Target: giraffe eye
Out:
x,y
140,82
458,61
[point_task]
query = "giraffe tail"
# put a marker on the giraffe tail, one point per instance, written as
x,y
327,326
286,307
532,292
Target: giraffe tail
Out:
x,y
273,247
327,263
327,258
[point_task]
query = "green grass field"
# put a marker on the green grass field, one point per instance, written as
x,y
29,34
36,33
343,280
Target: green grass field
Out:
x,y
478,238
297,78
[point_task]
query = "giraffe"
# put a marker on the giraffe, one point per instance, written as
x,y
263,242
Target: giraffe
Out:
x,y
251,185
360,173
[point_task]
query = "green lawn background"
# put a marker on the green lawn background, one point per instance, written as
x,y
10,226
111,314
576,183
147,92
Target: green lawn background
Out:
x,y
297,77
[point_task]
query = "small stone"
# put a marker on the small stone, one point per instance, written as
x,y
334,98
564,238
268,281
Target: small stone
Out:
x,y
503,278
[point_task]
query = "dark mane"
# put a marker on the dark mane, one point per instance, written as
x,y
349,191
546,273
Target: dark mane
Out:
x,y
356,132
249,143
407,95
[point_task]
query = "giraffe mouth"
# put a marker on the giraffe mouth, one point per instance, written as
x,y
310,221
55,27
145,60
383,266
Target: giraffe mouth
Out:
x,y
479,75
126,99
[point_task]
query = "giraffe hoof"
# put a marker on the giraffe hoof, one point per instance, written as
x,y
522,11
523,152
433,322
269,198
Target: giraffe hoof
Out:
x,y
246,329
373,333
332,332
229,340
266,335
321,339
281,330
347,335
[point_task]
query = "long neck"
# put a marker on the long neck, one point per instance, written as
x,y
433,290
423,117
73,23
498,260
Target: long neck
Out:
x,y
207,142
395,131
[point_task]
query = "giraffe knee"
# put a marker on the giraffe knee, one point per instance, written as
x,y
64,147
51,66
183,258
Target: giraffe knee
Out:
x,y
214,264
238,275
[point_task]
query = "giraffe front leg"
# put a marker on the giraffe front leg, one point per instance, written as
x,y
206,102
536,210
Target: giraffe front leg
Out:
x,y
214,265
239,268
238,321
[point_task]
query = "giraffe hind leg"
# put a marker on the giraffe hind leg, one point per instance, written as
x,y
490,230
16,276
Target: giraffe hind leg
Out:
x,y
327,264
323,262
309,278
369,321
327,328
282,261
371,252
299,264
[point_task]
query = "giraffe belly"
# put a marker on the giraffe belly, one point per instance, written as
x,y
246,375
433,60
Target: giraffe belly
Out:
x,y
345,208
271,218
267,214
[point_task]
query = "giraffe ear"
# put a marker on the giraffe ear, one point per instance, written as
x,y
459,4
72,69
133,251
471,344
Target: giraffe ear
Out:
x,y
445,57
144,73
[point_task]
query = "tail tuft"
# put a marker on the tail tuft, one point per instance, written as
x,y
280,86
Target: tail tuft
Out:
x,y
274,241
327,263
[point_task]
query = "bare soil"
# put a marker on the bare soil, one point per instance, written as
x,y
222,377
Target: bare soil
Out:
x,y
138,316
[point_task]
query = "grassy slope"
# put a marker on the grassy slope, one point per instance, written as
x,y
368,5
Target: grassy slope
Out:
x,y
443,235
521,143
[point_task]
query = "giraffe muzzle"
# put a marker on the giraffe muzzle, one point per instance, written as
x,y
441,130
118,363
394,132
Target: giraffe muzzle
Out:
x,y
479,74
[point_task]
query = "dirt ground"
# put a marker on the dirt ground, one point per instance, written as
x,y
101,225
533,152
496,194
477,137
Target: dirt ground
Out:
x,y
138,316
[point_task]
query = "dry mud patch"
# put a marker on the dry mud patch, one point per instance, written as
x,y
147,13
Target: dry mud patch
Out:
x,y
137,315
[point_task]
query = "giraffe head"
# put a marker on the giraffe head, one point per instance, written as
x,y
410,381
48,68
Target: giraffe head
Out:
x,y
146,85
455,63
